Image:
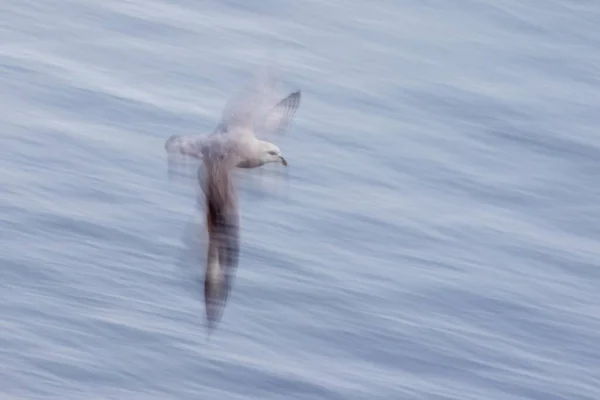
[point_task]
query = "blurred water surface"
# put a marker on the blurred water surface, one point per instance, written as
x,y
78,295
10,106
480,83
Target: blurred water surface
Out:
x,y
437,238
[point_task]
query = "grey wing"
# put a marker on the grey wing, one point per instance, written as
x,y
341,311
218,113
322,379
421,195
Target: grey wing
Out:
x,y
258,108
222,221
184,155
221,267
241,110
281,115
185,145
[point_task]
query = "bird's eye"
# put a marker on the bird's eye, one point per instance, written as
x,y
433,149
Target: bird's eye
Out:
x,y
272,153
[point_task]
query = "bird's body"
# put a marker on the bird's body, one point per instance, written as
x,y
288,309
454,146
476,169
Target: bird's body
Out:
x,y
232,145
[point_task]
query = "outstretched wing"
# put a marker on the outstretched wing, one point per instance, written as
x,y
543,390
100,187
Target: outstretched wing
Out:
x,y
221,263
184,156
222,222
185,145
258,109
281,115
245,106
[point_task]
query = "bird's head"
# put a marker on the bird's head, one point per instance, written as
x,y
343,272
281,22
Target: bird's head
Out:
x,y
271,153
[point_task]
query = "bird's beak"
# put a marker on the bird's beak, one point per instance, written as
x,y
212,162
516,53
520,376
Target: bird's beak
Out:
x,y
283,161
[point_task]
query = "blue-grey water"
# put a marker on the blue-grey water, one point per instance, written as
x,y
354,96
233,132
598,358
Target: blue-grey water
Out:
x,y
437,235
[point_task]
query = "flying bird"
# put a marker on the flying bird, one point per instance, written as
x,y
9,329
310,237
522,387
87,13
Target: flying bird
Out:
x,y
233,144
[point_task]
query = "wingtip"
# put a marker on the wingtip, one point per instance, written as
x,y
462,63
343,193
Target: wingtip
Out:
x,y
210,328
292,100
298,96
212,323
169,141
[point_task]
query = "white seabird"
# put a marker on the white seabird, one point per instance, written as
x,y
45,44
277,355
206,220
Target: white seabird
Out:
x,y
232,144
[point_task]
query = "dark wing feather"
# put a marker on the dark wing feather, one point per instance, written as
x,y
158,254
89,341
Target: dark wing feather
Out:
x,y
222,220
281,115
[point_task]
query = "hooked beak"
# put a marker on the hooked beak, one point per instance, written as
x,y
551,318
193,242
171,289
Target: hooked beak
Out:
x,y
283,161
